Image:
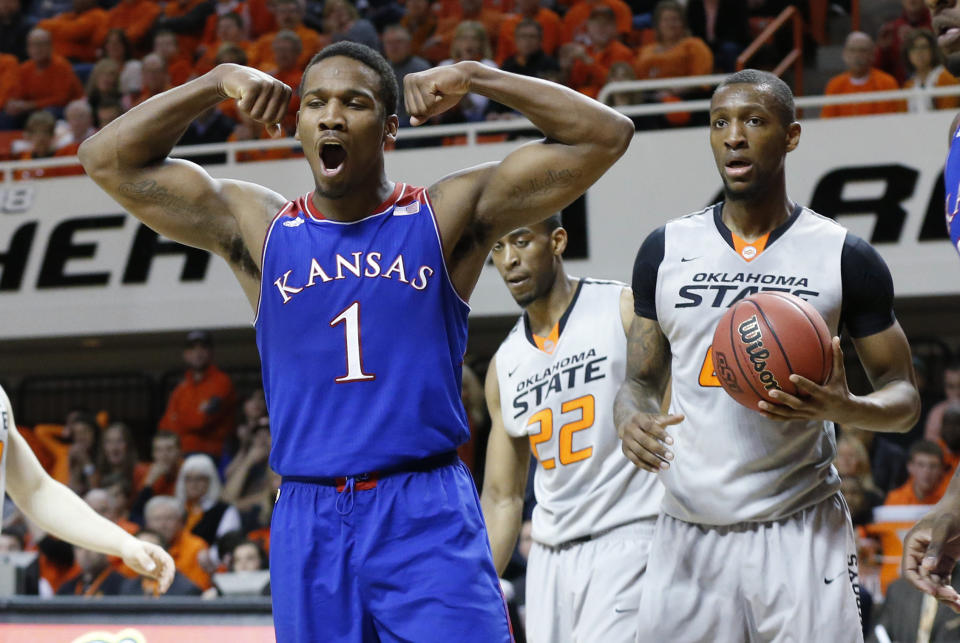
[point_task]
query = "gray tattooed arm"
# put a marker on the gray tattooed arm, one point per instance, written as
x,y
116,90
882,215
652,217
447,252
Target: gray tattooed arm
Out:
x,y
641,426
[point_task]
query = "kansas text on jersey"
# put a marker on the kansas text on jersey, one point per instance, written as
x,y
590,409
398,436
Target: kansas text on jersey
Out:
x,y
361,337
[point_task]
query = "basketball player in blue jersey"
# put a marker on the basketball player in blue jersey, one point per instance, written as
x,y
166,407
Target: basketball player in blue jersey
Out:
x,y
550,390
932,548
360,291
60,512
754,541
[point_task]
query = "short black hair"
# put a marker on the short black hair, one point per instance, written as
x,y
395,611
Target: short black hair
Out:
x,y
389,90
781,92
553,222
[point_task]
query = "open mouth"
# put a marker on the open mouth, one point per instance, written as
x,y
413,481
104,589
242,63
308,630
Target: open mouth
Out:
x,y
738,167
332,158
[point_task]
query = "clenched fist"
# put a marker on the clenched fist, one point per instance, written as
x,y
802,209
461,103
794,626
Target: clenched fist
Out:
x,y
434,91
259,95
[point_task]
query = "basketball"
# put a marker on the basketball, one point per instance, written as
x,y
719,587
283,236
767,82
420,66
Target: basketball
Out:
x,y
763,339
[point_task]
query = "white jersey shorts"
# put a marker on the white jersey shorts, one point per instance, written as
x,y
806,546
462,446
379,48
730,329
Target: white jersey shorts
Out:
x,y
791,580
588,592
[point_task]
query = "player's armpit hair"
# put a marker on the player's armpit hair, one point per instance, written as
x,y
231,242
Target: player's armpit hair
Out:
x,y
237,254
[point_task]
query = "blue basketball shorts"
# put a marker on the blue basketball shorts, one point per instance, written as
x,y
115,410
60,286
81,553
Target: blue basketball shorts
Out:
x,y
404,558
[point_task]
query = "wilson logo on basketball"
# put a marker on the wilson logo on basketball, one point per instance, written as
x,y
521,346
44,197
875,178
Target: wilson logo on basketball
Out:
x,y
752,338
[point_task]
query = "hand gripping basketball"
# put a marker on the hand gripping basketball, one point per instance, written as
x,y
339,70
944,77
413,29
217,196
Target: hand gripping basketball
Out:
x,y
260,95
434,91
827,402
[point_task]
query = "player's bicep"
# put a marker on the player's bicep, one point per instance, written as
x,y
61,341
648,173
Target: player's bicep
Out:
x,y
537,180
176,198
886,357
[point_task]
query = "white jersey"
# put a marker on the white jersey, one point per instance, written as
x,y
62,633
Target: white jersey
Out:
x,y
732,464
563,401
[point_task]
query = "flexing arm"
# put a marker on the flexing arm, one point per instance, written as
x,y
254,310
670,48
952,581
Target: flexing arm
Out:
x,y
62,513
636,411
477,206
129,159
504,479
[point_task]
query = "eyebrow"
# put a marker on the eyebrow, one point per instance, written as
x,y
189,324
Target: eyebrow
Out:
x,y
346,93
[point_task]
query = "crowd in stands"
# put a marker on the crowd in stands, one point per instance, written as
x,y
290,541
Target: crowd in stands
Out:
x,y
206,493
85,62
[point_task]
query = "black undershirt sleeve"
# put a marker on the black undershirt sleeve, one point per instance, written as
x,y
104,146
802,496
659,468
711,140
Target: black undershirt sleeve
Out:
x,y
645,269
867,306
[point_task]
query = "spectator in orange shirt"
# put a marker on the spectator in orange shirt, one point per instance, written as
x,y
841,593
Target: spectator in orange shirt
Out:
x,y
45,81
578,71
165,515
9,66
551,29
421,22
925,65
77,34
179,65
675,53
155,80
142,586
860,77
575,20
135,17
73,447
229,32
927,476
159,477
603,46
470,10
187,19
201,408
96,577
222,7
289,16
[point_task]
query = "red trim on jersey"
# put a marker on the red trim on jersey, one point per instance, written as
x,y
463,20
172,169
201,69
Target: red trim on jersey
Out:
x,y
289,209
398,190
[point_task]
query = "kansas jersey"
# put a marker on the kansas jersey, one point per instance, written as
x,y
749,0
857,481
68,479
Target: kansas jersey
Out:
x,y
951,182
361,337
563,401
732,464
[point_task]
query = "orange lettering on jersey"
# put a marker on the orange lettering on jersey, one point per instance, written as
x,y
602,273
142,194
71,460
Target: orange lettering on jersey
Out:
x,y
549,343
544,418
587,406
708,376
752,250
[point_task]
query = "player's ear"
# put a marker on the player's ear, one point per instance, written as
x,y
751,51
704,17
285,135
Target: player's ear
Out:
x,y
793,136
390,127
296,133
558,238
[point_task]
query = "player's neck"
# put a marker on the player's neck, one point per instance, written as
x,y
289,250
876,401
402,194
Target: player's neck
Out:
x,y
545,312
357,203
751,219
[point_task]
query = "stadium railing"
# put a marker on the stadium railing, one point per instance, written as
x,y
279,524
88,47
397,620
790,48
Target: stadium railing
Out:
x,y
473,131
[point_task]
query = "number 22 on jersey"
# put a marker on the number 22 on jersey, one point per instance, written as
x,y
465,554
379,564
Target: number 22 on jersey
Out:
x,y
544,417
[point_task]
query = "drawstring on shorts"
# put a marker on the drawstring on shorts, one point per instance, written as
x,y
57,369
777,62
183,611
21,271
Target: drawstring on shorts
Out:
x,y
342,508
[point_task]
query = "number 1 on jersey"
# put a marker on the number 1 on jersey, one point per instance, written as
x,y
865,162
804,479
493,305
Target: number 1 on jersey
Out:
x,y
350,316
